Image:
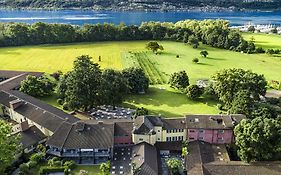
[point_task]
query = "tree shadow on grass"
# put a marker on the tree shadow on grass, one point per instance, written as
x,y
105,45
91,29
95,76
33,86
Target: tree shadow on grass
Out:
x,y
205,64
159,97
212,58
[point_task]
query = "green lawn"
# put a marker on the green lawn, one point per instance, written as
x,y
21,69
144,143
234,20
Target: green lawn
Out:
x,y
120,55
265,41
92,169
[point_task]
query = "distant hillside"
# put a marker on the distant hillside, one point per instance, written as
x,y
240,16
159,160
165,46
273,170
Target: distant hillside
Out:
x,y
145,4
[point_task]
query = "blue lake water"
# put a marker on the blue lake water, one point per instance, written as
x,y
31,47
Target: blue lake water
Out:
x,y
80,17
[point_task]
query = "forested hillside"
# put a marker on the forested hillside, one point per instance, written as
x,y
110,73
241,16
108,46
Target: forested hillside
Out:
x,y
144,4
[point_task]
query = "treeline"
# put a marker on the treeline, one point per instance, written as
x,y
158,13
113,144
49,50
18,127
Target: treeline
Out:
x,y
215,33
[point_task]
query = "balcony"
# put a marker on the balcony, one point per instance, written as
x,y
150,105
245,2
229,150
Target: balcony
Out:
x,y
53,152
70,154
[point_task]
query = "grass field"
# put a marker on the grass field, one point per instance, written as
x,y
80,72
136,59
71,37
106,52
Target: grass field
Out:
x,y
265,41
92,169
119,55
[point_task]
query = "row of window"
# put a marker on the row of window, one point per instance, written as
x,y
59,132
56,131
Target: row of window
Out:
x,y
179,138
174,130
202,131
220,139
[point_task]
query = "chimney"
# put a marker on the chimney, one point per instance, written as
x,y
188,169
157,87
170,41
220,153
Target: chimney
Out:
x,y
100,122
23,126
15,104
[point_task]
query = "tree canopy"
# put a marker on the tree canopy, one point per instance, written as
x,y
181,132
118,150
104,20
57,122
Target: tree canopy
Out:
x,y
258,139
194,92
179,80
137,80
37,87
228,82
9,146
154,46
82,84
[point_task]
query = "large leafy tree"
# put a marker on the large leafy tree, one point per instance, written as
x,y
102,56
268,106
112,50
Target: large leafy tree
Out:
x,y
37,87
258,139
113,87
137,80
194,92
82,84
9,146
179,80
154,46
175,165
228,82
242,103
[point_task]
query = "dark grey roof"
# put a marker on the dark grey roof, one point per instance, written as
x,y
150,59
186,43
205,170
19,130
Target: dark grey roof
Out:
x,y
178,123
31,137
15,78
123,128
213,121
145,157
146,124
83,135
41,113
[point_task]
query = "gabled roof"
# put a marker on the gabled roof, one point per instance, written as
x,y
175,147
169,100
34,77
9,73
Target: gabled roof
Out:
x,y
213,121
31,137
41,113
83,135
145,158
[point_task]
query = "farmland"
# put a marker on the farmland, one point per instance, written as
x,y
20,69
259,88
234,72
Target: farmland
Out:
x,y
160,99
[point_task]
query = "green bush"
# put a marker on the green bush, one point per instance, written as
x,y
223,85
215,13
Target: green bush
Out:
x,y
65,106
32,164
195,60
24,168
60,101
55,161
37,157
70,164
46,169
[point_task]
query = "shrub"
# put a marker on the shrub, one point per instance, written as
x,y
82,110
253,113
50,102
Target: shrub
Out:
x,y
37,157
260,50
55,161
57,75
220,106
270,51
141,111
24,168
45,169
70,164
41,148
195,60
193,92
32,164
60,101
177,56
65,106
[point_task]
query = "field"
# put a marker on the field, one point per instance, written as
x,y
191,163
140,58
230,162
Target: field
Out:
x,y
265,41
160,99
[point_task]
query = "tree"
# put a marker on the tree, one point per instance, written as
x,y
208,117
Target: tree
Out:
x,y
274,30
9,146
184,153
204,53
258,139
37,87
105,168
242,103
179,80
264,112
24,168
194,92
228,82
154,46
82,84
251,29
195,60
193,41
174,165
270,51
113,87
141,111
137,80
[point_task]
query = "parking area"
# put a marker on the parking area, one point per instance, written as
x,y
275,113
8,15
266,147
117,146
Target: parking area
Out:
x,y
121,162
110,112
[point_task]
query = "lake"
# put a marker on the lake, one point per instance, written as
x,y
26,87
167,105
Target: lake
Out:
x,y
80,17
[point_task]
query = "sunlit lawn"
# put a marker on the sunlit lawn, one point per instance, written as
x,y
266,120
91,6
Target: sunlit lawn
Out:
x,y
168,102
92,169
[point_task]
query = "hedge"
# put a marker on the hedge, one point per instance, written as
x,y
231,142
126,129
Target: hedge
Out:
x,y
46,169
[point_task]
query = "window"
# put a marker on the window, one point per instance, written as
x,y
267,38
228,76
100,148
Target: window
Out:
x,y
190,138
140,139
158,139
220,139
221,131
180,138
201,130
158,130
201,138
191,131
